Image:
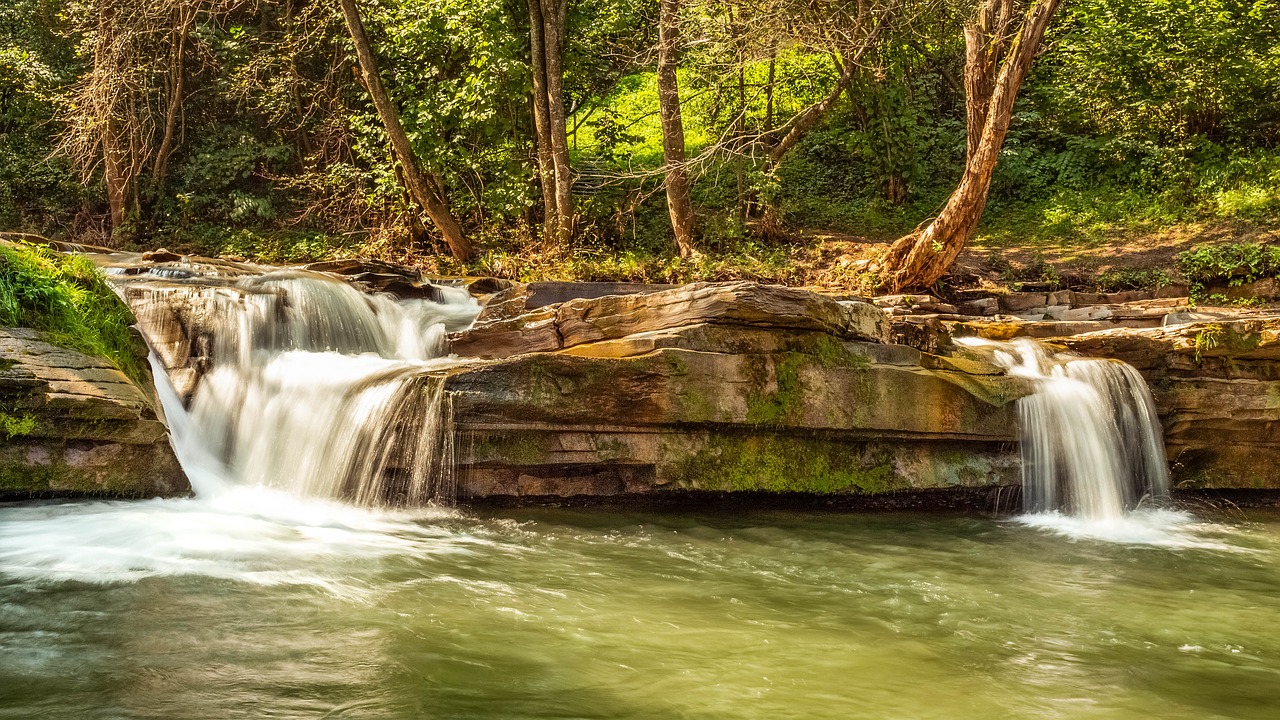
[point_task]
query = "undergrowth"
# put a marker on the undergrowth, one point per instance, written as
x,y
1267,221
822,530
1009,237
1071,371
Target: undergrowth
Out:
x,y
1231,264
68,298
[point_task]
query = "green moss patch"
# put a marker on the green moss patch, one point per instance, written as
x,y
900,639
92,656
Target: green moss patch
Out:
x,y
771,463
12,426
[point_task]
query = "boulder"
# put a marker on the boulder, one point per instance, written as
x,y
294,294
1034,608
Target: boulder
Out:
x,y
981,306
179,322
160,256
74,424
1022,302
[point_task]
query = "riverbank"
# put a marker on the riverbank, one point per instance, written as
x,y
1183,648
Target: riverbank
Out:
x,y
577,393
1022,246
77,407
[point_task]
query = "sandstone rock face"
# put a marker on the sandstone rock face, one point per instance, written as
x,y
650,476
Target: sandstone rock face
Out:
x,y
731,387
1217,390
74,424
600,389
502,333
179,325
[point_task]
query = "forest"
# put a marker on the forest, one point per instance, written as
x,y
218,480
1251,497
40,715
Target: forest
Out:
x,y
864,144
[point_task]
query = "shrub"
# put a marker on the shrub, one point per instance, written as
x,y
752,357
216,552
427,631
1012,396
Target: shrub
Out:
x,y
1233,264
1118,279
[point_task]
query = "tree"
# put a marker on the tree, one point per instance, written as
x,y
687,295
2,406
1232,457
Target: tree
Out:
x,y
547,45
740,43
848,36
416,181
997,59
679,202
124,113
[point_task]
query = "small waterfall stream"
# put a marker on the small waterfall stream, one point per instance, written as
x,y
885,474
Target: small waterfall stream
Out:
x,y
319,390
1091,440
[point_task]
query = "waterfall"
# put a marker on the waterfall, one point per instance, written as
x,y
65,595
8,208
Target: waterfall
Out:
x,y
1091,440
314,388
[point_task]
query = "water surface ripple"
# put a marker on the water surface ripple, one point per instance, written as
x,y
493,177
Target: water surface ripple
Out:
x,y
261,605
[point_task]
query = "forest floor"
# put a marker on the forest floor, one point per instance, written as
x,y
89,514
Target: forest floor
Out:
x,y
1010,257
1129,258
1004,259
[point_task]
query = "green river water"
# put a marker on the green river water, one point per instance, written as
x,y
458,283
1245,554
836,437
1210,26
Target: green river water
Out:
x,y
197,609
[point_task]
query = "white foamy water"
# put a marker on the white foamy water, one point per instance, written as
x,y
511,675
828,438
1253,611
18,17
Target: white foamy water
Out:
x,y
1092,447
251,535
319,390
1145,526
316,394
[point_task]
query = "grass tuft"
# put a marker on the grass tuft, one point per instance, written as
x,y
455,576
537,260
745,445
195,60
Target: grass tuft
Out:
x,y
68,298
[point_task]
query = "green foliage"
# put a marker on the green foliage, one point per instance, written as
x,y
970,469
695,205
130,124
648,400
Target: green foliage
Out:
x,y
458,75
1232,264
38,192
1159,73
1118,279
16,425
1139,115
68,298
298,246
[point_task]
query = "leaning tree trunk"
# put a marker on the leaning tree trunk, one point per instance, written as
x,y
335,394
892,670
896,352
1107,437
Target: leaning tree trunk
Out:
x,y
679,201
418,185
920,259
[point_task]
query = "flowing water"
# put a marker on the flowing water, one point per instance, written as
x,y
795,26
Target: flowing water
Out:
x,y
264,596
262,605
1092,445
320,390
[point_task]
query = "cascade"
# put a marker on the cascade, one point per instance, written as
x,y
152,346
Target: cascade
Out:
x,y
317,389
1091,440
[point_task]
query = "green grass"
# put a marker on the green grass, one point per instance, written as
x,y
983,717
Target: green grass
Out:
x,y
68,298
1081,217
742,260
268,245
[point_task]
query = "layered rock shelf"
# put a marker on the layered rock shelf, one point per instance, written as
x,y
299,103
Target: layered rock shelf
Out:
x,y
730,387
76,425
605,389
1217,390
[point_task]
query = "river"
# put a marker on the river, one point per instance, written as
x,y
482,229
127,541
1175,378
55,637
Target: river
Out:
x,y
261,605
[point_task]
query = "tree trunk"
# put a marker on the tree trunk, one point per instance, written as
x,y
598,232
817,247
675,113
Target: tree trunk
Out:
x,y
542,123
920,259
114,175
769,87
415,179
679,202
178,75
553,26
739,130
